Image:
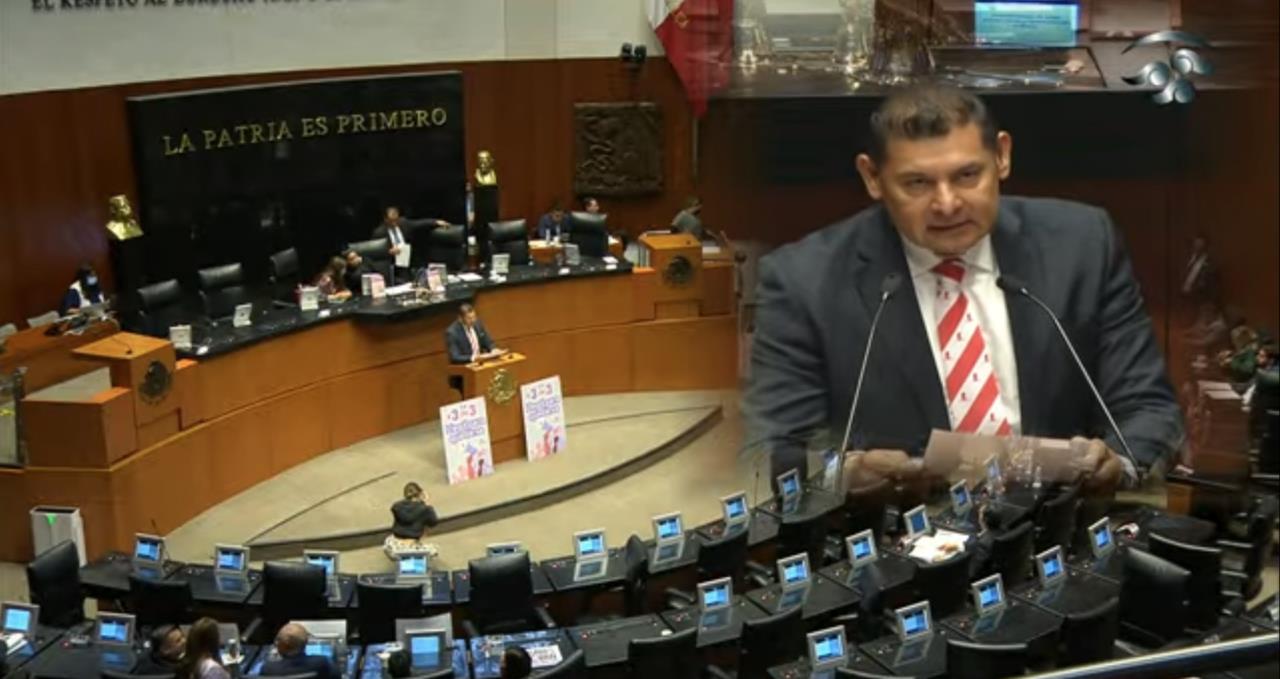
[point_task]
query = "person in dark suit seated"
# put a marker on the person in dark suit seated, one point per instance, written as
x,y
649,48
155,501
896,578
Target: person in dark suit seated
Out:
x,y
399,665
167,643
515,663
291,641
356,269
84,291
553,224
411,517
955,351
332,281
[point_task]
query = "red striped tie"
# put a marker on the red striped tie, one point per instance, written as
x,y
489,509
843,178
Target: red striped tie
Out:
x,y
973,392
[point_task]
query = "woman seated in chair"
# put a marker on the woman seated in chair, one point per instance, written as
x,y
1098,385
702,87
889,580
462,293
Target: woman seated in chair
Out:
x,y
411,518
331,281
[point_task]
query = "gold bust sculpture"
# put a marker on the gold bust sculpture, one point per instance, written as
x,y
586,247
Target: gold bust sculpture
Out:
x,y
122,225
486,175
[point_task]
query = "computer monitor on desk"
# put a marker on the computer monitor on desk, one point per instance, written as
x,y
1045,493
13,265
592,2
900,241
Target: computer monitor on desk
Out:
x,y
412,567
827,648
18,622
961,500
913,622
148,555
917,523
230,559
328,560
988,595
861,547
1049,567
426,648
714,599
591,554
735,510
668,528
1101,542
501,548
115,629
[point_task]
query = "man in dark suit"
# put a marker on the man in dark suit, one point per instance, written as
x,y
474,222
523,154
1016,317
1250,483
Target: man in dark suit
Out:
x,y
399,232
953,350
291,644
167,644
467,339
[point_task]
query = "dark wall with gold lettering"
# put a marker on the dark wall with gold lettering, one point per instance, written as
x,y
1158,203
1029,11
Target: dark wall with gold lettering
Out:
x,y
234,174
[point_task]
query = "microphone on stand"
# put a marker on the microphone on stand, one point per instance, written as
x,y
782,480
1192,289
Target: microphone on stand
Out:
x,y
1014,286
892,281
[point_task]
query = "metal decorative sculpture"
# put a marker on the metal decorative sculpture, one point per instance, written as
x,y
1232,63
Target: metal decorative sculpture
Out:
x,y
617,149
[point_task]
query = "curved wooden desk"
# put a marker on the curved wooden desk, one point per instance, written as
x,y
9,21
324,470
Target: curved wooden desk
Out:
x,y
246,415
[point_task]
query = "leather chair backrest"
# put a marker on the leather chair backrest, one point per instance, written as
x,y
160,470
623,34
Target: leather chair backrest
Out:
x,y
222,289
220,277
160,295
969,660
1011,553
590,233
374,249
725,556
510,237
292,591
1153,600
1204,586
1090,636
380,607
674,656
501,588
773,640
945,584
1057,521
53,581
158,602
448,245
284,264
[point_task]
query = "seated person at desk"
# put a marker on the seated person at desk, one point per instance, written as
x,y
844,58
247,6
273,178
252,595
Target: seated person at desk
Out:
x,y
941,227
553,224
332,282
356,269
411,517
203,656
516,663
467,339
399,665
82,292
689,220
291,642
166,651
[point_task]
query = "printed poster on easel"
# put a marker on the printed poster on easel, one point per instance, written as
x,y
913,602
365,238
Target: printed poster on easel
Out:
x,y
544,430
465,428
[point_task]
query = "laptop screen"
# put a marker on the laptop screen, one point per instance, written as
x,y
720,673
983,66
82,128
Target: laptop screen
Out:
x,y
326,561
413,564
425,649
715,595
500,548
229,559
862,547
827,647
1050,562
789,483
960,497
1101,532
913,620
988,593
917,522
794,569
735,507
669,528
146,549
590,544
113,629
319,648
17,620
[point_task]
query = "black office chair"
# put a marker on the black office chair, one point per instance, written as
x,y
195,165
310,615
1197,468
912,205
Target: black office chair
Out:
x,y
1056,522
380,607
849,672
290,591
635,584
510,237
1204,588
1245,553
808,535
674,656
944,584
113,674
770,641
725,556
1090,636
376,252
222,288
1153,600
968,660
448,245
284,276
1011,555
502,597
160,602
159,307
53,583
590,232
572,667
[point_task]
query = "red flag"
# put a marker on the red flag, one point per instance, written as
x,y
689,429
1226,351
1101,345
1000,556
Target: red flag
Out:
x,y
698,38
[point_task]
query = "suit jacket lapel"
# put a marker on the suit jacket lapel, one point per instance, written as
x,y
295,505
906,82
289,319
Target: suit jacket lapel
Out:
x,y
1027,323
901,337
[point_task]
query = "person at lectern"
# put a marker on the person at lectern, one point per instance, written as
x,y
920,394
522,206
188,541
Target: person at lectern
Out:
x,y
85,291
961,343
467,339
411,517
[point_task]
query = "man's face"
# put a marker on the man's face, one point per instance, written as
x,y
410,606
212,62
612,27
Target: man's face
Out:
x,y
391,217
174,642
354,259
942,193
469,318
593,206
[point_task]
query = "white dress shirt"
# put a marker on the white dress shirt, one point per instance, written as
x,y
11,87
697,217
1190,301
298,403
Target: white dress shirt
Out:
x,y
979,284
396,236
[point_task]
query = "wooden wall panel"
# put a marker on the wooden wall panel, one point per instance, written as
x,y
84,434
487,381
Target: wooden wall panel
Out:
x,y
691,354
91,433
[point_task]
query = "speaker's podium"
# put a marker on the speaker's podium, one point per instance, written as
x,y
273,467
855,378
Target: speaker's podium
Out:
x,y
498,380
677,259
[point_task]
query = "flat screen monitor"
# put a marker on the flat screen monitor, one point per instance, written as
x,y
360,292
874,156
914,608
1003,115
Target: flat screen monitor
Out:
x,y
115,628
1049,565
324,559
715,594
861,547
501,548
16,618
230,558
793,571
913,621
1101,542
735,509
827,648
413,564
426,647
148,548
917,522
1034,23
789,484
589,543
988,594
960,500
668,527
320,647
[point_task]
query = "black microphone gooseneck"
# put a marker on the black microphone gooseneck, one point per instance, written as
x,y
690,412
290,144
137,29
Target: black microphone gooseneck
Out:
x,y
1014,286
888,286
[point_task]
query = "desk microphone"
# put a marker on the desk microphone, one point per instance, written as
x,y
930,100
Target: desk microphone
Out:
x,y
1014,286
892,281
